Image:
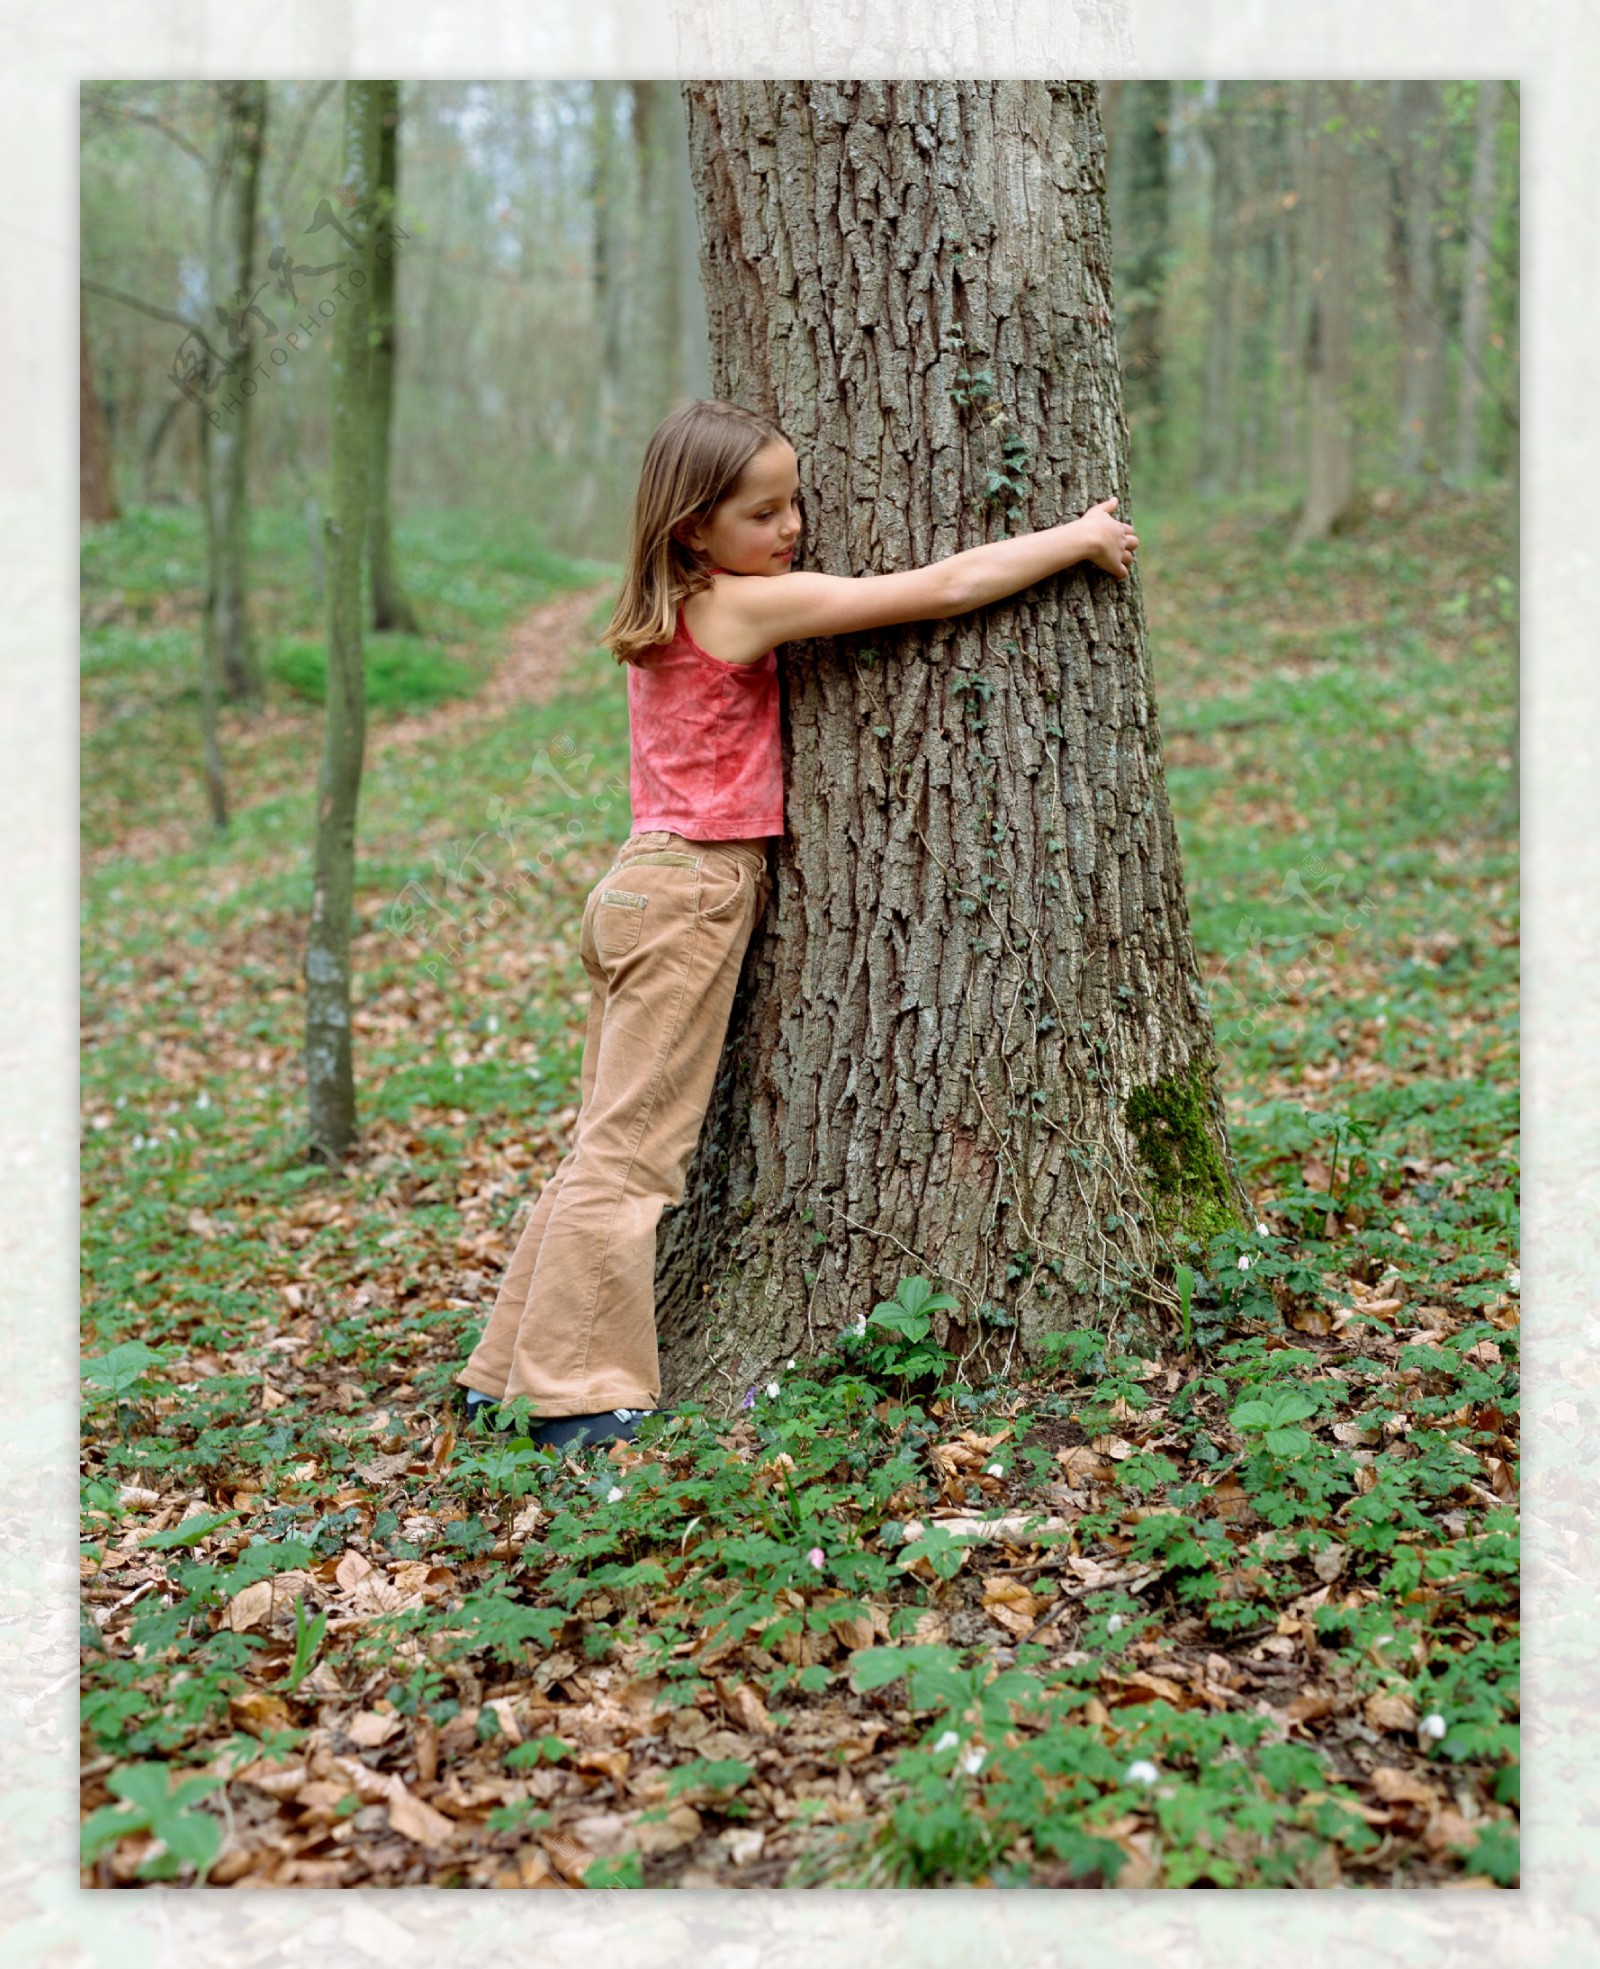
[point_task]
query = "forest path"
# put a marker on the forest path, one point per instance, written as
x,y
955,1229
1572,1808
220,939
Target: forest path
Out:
x,y
273,752
539,662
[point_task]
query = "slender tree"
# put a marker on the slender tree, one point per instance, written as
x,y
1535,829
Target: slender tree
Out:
x,y
233,323
1219,419
972,1042
1141,229
330,1084
608,269
1475,284
1413,152
390,608
97,494
1330,463
1289,155
657,355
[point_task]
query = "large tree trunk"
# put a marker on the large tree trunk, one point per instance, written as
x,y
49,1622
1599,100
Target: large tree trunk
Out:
x,y
972,1042
226,441
1475,284
330,1085
97,496
1330,474
390,608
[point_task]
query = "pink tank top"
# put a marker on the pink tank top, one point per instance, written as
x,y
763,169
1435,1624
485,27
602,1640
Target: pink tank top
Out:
x,y
706,760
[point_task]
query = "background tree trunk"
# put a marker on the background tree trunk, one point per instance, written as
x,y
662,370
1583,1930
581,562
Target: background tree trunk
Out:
x,y
657,313
601,497
1141,227
1475,284
972,1041
225,446
390,608
330,1085
1219,422
1330,474
1413,167
97,496
1289,143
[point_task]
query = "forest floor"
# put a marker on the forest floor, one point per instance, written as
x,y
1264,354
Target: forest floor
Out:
x,y
1242,1615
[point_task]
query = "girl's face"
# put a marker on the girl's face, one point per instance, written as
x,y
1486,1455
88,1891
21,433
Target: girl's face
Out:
x,y
755,528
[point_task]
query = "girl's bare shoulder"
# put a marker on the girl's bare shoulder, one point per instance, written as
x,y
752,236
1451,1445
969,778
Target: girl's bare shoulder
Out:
x,y
723,623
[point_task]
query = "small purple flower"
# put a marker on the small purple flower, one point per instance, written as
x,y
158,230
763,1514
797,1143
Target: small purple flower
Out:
x,y
749,1400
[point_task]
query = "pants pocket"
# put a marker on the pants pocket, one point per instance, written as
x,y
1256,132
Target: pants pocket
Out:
x,y
717,905
618,919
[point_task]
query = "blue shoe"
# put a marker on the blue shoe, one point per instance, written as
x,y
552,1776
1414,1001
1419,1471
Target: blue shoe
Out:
x,y
615,1425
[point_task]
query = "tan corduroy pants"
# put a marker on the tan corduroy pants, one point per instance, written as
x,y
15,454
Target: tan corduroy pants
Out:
x,y
663,940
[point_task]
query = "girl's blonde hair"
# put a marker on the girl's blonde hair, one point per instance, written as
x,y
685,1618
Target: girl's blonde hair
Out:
x,y
691,464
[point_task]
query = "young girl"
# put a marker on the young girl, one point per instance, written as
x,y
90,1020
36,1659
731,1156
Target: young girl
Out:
x,y
709,593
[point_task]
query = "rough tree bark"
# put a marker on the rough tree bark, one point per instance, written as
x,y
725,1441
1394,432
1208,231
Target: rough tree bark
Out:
x,y
226,444
390,608
971,1041
1330,461
330,1084
97,496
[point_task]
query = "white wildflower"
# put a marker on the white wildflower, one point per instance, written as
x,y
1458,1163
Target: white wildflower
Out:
x,y
1262,1230
972,1762
858,1326
1115,1624
1244,1261
1433,1726
994,1470
202,1099
1514,1278
772,1390
1141,1771
947,1742
817,1557
614,1494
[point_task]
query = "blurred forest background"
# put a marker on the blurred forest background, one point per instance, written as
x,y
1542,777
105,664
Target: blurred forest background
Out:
x,y
552,311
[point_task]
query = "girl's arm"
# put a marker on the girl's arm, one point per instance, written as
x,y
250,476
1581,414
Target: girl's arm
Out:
x,y
787,607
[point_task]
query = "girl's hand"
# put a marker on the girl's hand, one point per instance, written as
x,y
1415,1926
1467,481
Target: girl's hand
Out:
x,y
1111,542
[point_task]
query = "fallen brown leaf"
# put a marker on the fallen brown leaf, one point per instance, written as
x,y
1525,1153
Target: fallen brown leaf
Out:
x,y
368,1729
1390,1712
1009,1602
259,1711
745,1707
412,1819
1397,1787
